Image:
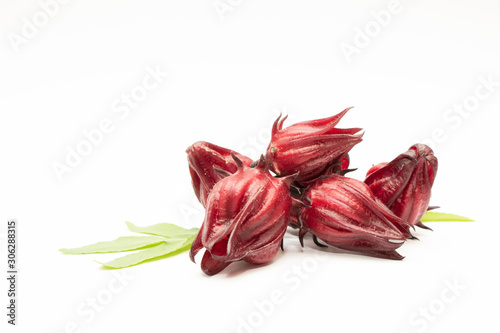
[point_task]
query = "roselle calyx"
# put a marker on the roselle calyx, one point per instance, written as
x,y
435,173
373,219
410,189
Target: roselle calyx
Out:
x,y
404,184
246,218
203,159
310,148
344,213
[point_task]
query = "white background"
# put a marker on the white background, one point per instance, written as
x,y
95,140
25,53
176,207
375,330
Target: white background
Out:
x,y
230,75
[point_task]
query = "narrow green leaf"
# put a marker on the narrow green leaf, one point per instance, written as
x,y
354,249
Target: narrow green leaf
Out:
x,y
163,250
437,217
163,229
121,244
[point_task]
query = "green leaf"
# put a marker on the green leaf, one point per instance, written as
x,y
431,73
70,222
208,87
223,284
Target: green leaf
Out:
x,y
118,245
437,217
173,240
163,229
160,251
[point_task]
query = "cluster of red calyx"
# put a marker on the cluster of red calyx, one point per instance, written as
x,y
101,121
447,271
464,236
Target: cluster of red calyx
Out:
x,y
248,209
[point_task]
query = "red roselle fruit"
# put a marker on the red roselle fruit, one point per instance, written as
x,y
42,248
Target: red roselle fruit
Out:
x,y
246,217
203,157
340,168
344,213
404,184
311,148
